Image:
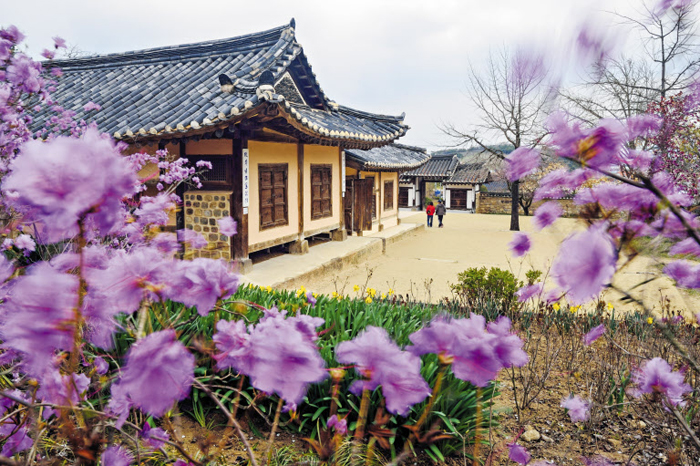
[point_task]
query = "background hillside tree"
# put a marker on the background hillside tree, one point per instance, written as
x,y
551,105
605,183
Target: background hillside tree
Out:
x,y
512,95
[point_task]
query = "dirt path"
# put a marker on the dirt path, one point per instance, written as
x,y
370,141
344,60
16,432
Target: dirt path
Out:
x,y
423,266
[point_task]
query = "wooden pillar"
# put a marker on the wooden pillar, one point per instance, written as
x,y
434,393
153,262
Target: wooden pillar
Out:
x,y
380,202
180,191
239,242
341,233
300,246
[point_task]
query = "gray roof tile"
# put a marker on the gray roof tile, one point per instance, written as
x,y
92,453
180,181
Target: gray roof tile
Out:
x,y
469,173
394,157
437,168
162,88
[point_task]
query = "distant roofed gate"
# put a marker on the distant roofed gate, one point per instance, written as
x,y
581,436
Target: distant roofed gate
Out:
x,y
437,169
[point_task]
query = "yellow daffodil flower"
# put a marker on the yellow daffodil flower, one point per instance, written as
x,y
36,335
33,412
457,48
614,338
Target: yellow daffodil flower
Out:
x,y
368,300
356,288
383,295
556,306
650,320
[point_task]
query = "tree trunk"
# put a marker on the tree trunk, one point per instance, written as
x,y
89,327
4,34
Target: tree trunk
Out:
x,y
515,195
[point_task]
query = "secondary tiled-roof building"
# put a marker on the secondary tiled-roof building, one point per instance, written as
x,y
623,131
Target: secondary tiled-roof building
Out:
x,y
372,184
462,186
413,183
253,107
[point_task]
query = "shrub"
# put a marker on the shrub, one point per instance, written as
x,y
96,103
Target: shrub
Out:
x,y
488,292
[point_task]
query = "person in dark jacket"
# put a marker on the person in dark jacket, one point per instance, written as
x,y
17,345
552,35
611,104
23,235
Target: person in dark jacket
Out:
x,y
440,211
430,211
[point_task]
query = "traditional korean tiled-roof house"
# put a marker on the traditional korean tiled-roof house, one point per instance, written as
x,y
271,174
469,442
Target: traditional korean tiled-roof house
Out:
x,y
372,179
412,183
250,105
462,186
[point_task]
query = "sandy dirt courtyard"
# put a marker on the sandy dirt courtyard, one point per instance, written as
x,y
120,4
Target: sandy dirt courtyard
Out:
x,y
423,266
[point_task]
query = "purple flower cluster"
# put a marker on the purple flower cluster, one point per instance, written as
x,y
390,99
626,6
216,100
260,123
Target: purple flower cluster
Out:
x,y
594,334
578,409
54,183
278,354
380,362
477,351
656,376
521,162
520,244
159,371
585,264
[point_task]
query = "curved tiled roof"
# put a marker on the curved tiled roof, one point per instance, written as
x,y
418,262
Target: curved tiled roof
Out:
x,y
392,157
170,92
469,173
437,167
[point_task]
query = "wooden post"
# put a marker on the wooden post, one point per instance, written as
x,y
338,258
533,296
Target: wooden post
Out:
x,y
380,202
341,233
300,163
300,246
180,191
239,242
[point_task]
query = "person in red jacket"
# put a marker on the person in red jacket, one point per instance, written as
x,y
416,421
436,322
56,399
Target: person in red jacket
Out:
x,y
430,210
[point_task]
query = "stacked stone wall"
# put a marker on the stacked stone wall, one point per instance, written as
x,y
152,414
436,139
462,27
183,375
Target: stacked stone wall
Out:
x,y
202,210
497,203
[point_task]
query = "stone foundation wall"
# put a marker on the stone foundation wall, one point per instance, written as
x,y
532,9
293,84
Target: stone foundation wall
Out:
x,y
202,210
497,203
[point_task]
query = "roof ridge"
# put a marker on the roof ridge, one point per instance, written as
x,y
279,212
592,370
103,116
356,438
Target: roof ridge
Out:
x,y
208,48
373,116
413,148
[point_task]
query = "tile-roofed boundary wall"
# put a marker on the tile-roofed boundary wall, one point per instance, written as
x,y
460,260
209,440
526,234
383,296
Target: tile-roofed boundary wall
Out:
x,y
168,93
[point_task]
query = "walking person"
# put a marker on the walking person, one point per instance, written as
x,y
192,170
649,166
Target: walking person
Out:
x,y
430,211
440,211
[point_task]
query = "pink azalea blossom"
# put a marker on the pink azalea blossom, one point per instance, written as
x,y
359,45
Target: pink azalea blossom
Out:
x,y
477,352
16,442
193,238
657,376
158,372
578,409
340,425
381,362
60,181
36,316
585,264
116,456
90,106
593,334
202,282
101,366
521,162
529,291
276,354
227,226
154,437
685,273
59,43
520,244
518,454
546,214
25,243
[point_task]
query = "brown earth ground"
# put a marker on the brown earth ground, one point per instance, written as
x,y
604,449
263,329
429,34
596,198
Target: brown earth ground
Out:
x,y
423,266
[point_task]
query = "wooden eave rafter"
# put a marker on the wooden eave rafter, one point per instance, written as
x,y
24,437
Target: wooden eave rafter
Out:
x,y
255,118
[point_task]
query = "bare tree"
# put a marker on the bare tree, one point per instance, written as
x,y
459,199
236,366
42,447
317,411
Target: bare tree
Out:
x,y
512,96
623,87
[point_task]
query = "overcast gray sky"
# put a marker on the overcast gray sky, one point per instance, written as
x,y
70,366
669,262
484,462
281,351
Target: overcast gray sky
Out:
x,y
382,56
